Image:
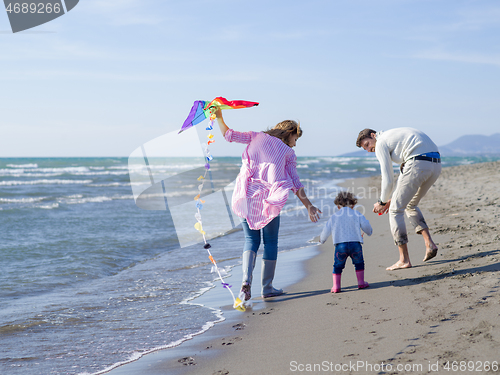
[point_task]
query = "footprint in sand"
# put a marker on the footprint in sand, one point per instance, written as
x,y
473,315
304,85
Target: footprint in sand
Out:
x,y
231,341
266,312
239,327
482,329
351,355
187,361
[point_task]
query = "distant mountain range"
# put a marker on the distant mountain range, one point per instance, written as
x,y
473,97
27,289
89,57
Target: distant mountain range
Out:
x,y
473,145
467,145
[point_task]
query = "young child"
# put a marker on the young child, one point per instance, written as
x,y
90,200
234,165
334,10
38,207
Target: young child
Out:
x,y
344,226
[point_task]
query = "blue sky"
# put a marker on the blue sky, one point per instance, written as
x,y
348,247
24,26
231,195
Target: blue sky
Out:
x,y
113,74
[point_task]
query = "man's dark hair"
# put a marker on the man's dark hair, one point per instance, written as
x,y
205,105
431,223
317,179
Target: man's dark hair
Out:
x,y
365,133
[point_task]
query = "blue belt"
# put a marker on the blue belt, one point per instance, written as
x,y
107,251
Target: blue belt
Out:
x,y
434,157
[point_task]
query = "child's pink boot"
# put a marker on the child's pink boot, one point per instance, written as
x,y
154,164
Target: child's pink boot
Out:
x,y
336,282
362,284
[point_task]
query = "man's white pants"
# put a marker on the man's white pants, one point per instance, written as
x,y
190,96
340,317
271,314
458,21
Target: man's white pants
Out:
x,y
413,183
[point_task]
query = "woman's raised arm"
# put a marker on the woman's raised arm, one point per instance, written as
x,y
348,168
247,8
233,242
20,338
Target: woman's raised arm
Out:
x,y
218,115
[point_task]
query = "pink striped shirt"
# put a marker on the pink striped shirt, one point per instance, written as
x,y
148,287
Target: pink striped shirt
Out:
x,y
268,173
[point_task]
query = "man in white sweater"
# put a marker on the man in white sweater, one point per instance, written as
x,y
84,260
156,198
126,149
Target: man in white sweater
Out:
x,y
420,165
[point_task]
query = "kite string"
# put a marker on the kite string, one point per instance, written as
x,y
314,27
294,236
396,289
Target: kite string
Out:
x,y
199,206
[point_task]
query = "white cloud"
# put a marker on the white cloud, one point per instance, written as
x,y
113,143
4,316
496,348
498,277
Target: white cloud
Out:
x,y
471,58
299,34
126,12
478,19
51,74
112,5
465,19
41,47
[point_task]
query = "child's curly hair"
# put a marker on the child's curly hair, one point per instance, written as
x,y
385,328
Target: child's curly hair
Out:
x,y
345,198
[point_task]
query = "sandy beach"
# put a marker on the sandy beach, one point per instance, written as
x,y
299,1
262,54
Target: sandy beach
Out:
x,y
439,317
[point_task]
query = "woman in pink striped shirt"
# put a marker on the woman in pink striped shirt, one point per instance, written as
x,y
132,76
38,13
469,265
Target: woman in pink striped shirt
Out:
x,y
267,175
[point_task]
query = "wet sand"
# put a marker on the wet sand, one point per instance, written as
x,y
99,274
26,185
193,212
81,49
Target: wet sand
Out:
x,y
444,312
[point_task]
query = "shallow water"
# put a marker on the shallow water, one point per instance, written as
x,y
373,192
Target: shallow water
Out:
x,y
89,280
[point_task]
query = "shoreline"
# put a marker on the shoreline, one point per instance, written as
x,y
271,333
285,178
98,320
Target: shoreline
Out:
x,y
312,326
289,273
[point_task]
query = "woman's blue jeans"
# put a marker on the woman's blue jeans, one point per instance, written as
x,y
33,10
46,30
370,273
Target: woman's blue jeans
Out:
x,y
345,250
269,237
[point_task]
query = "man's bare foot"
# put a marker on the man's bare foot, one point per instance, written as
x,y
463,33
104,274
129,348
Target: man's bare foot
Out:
x,y
430,253
398,265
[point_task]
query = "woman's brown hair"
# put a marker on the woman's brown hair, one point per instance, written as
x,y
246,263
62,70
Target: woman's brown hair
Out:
x,y
285,129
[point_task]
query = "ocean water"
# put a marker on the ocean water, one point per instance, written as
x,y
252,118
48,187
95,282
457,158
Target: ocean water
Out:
x,y
88,280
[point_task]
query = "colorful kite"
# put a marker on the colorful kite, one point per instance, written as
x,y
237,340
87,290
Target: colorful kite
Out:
x,y
201,109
